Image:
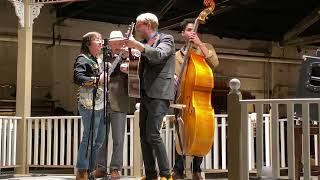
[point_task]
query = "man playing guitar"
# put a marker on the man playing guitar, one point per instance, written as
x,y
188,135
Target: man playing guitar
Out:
x,y
157,89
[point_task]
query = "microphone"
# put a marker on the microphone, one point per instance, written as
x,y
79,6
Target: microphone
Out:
x,y
107,52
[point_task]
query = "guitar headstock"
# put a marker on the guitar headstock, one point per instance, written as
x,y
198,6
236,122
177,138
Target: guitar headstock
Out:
x,y
130,30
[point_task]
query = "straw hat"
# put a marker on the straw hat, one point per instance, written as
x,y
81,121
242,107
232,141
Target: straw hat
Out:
x,y
115,35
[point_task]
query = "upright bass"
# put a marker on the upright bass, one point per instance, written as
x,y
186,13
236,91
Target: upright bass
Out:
x,y
195,84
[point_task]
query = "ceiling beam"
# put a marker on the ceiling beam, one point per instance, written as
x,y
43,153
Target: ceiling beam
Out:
x,y
111,18
53,1
304,24
113,10
175,22
166,8
302,41
67,13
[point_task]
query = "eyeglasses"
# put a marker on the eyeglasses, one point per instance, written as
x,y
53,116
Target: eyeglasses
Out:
x,y
98,40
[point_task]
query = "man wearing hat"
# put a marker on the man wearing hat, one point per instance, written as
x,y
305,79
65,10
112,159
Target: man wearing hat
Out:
x,y
117,110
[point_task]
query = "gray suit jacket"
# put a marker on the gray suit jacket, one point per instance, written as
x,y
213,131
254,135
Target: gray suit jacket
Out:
x,y
159,67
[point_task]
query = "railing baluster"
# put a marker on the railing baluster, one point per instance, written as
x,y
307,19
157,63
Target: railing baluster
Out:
x,y
210,156
282,145
306,140
9,132
75,140
29,145
223,143
1,137
250,144
315,140
4,142
49,141
275,141
267,140
125,144
62,141
208,160
216,146
55,141
69,121
318,147
290,140
14,145
43,140
259,138
36,142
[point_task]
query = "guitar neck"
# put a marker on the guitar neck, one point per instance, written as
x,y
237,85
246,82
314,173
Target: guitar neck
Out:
x,y
130,54
115,63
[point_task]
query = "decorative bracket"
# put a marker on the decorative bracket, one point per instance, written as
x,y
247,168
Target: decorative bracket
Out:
x,y
34,8
34,11
19,9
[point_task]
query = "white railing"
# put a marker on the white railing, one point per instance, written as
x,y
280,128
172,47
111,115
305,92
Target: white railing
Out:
x,y
278,148
53,141
217,157
212,159
8,139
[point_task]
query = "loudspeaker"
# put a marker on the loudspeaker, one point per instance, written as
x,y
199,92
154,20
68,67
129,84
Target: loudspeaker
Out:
x,y
309,85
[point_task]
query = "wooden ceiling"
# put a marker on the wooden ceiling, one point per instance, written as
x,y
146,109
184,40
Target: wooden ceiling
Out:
x,y
290,22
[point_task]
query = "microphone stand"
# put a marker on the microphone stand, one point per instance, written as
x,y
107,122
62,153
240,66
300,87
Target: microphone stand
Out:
x,y
90,138
107,54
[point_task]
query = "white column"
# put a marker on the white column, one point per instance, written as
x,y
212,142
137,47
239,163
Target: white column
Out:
x,y
26,13
23,98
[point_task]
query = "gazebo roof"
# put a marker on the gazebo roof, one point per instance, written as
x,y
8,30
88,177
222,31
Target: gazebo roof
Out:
x,y
290,22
